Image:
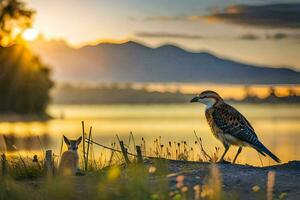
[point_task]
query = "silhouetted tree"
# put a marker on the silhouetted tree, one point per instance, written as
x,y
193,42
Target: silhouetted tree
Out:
x,y
248,92
272,92
14,19
292,92
24,80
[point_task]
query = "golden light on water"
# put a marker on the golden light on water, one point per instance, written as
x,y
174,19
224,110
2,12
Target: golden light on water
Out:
x,y
30,34
276,125
225,90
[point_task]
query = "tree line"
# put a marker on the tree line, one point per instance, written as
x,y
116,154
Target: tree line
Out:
x,y
24,80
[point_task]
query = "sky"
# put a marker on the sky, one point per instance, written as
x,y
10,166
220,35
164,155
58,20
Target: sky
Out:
x,y
252,31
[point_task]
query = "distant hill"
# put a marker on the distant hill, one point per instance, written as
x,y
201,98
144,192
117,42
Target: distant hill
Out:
x,y
133,62
126,94
70,94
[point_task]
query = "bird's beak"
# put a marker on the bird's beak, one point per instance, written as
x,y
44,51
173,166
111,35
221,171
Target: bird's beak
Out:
x,y
195,99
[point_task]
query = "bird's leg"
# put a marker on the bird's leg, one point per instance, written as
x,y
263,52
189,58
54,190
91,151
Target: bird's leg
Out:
x,y
222,157
237,154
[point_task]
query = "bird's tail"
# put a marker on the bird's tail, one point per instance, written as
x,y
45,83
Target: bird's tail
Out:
x,y
262,149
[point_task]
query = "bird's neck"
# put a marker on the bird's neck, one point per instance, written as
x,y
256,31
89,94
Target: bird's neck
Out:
x,y
211,102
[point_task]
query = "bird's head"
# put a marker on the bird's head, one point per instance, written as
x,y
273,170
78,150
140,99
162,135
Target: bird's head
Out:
x,y
208,97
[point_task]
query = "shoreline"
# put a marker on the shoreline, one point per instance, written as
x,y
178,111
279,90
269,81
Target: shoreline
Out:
x,y
12,117
236,181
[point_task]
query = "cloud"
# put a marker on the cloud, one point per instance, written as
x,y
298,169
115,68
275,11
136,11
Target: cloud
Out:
x,y
175,18
167,35
274,36
281,36
164,18
265,16
284,15
249,36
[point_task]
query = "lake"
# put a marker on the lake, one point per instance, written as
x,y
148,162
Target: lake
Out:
x,y
277,126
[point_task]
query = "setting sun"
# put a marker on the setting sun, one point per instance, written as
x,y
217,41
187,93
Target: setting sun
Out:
x,y
30,34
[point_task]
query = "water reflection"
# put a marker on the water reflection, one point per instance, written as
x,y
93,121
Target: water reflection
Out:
x,y
277,126
12,142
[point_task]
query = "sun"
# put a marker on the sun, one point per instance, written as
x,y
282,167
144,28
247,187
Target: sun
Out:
x,y
30,34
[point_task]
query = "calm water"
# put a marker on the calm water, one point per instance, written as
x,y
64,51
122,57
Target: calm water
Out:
x,y
278,127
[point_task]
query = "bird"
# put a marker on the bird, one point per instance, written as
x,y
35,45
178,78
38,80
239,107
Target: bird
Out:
x,y
229,126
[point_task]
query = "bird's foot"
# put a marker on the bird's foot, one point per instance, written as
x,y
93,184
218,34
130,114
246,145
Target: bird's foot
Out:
x,y
223,162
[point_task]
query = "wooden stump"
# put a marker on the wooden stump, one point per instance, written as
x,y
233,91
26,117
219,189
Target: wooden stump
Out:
x,y
3,165
124,152
49,163
139,154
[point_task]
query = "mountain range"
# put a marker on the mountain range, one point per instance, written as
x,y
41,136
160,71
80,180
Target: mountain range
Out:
x,y
134,62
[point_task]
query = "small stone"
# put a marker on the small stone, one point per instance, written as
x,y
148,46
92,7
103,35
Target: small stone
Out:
x,y
255,188
283,196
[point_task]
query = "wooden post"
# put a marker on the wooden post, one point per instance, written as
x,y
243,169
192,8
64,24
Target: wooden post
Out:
x,y
88,150
111,157
3,165
49,163
61,146
112,154
124,152
139,154
83,145
133,140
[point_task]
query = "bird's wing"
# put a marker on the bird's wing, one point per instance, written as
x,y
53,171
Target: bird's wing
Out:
x,y
232,122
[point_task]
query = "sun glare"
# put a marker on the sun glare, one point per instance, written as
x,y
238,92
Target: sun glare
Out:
x,y
30,34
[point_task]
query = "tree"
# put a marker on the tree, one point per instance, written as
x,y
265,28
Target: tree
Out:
x,y
24,79
14,19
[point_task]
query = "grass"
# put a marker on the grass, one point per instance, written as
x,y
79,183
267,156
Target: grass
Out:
x,y
134,182
19,168
107,177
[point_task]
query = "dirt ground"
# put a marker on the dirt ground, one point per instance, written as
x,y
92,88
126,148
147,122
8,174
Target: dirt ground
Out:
x,y
238,180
